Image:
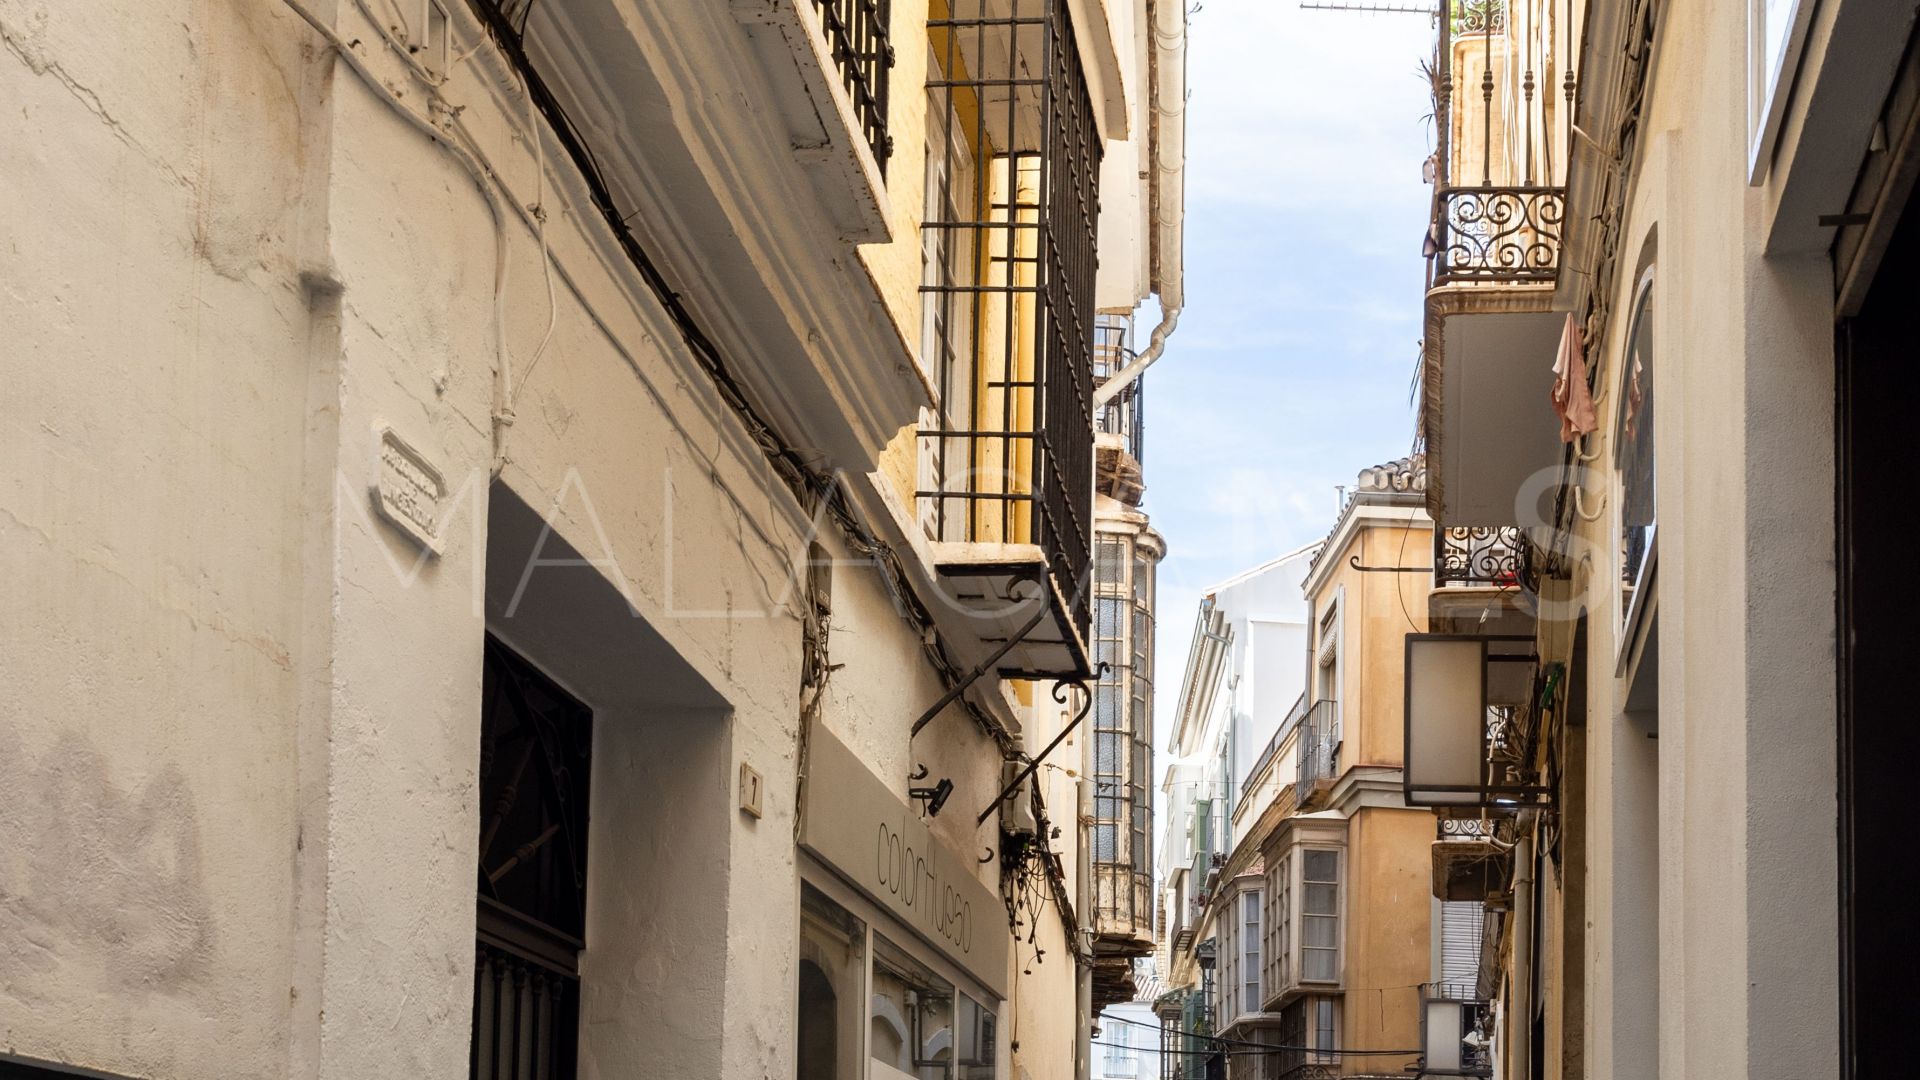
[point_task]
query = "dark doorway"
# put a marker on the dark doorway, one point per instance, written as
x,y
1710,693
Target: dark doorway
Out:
x,y
1877,388
536,747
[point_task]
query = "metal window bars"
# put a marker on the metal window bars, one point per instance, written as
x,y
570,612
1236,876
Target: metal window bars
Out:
x,y
1505,224
857,34
1011,268
536,745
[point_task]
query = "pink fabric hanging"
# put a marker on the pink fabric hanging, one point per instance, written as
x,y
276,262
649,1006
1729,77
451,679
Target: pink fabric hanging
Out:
x,y
1572,401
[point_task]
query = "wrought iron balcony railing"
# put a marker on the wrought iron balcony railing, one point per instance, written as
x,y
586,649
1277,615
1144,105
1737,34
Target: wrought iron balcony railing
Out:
x,y
857,33
1479,557
1497,234
1318,750
1500,168
1121,416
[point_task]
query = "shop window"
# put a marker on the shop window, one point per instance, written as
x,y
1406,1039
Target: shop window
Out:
x,y
979,1040
911,1022
833,969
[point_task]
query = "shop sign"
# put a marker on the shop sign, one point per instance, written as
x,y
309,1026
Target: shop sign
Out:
x,y
878,842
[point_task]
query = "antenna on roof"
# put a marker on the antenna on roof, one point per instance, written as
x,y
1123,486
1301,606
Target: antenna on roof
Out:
x,y
1366,6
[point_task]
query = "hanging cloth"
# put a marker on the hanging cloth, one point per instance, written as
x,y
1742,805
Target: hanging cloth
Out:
x,y
1572,401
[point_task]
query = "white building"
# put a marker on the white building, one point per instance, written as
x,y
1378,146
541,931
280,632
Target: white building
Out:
x,y
1246,673
1129,1042
539,532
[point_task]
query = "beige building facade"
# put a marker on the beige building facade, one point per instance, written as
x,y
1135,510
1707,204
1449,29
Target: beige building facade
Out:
x,y
1680,823
545,536
1312,937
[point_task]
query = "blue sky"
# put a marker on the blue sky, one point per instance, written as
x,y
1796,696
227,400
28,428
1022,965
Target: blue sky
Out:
x,y
1291,366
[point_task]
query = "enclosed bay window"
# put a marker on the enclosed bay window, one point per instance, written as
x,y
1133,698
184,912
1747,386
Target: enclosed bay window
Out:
x,y
1279,922
1319,916
1302,920
1250,952
1121,751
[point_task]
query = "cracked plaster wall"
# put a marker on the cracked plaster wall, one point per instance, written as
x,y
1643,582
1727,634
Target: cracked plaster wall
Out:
x,y
243,719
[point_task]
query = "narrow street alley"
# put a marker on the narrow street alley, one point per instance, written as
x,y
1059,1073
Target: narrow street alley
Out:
x,y
615,539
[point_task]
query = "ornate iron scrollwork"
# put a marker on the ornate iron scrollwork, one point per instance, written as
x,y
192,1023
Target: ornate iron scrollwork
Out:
x,y
1479,556
1492,233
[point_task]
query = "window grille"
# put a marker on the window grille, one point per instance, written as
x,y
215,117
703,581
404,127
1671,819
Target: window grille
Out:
x,y
1009,277
536,746
857,35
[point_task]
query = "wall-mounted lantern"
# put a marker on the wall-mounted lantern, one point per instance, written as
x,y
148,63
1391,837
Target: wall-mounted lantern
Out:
x,y
1470,703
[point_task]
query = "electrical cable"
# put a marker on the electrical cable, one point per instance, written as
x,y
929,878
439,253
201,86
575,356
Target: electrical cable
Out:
x,y
483,178
539,211
1262,1051
811,486
814,489
1223,1040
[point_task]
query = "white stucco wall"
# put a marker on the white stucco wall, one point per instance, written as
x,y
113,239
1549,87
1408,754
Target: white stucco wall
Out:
x,y
242,729
1730,950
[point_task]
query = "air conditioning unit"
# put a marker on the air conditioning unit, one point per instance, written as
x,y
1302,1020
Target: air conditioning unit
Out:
x,y
1474,869
1217,859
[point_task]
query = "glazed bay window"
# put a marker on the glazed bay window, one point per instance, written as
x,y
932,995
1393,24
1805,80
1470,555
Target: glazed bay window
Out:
x,y
1302,921
1249,989
1319,916
1122,746
1238,949
1279,923
1013,173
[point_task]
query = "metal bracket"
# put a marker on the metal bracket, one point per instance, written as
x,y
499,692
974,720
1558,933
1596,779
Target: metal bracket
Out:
x,y
953,693
1354,561
1060,695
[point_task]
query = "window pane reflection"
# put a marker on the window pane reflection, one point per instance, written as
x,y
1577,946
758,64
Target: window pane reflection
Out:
x,y
912,1018
833,967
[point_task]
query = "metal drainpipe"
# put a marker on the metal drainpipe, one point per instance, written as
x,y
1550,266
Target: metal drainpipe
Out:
x,y
1083,991
1520,1036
